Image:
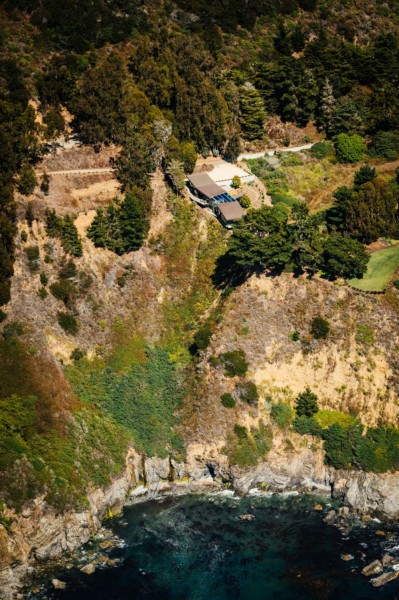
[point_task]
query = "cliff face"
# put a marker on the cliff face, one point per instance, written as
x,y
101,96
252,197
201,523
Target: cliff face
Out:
x,y
39,534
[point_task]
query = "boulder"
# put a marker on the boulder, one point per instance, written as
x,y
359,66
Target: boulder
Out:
x,y
330,518
58,585
388,560
373,568
88,569
385,578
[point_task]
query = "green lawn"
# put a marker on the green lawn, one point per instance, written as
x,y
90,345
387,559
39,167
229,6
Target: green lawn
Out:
x,y
381,267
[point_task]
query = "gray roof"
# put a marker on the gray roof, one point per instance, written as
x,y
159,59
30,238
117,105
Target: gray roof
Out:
x,y
205,185
231,211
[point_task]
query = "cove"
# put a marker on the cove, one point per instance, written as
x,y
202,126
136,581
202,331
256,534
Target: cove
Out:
x,y
200,548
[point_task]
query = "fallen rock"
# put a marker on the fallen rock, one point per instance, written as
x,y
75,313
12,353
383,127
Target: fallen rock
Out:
x,y
247,517
373,568
88,569
108,544
58,585
344,511
388,560
347,557
330,518
384,578
366,518
318,507
380,532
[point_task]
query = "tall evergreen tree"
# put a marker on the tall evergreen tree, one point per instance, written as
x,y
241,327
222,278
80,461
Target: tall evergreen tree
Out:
x,y
252,112
133,225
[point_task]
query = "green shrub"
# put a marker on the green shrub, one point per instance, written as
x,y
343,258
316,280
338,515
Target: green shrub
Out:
x,y
5,294
320,328
320,150
364,175
281,414
248,392
33,256
240,431
350,148
236,182
3,315
306,404
245,448
307,426
245,201
77,354
385,144
43,293
325,418
203,337
234,363
63,290
289,159
227,400
43,278
68,322
68,270
24,236
295,336
396,283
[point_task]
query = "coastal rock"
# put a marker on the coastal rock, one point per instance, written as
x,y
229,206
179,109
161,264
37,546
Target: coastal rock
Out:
x,y
373,568
388,560
58,585
384,578
88,569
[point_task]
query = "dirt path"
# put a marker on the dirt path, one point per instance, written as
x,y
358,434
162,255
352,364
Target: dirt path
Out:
x,y
78,171
249,155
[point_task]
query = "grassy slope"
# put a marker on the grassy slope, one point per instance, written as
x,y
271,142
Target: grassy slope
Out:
x,y
381,267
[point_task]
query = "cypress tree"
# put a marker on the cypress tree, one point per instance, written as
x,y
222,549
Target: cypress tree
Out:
x,y
133,225
252,112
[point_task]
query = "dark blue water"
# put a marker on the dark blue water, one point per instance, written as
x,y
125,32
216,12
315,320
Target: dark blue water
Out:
x,y
198,548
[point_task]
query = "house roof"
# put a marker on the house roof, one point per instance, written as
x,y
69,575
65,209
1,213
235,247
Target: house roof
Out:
x,y
205,185
231,211
223,172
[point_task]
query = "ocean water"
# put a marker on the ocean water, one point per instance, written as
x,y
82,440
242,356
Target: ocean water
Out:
x,y
198,548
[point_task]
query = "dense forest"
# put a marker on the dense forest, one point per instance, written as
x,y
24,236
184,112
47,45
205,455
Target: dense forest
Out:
x,y
163,81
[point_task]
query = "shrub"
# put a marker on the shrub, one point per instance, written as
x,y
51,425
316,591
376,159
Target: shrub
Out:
x,y
68,322
307,426
4,292
320,328
43,293
248,392
320,150
68,270
350,148
363,175
227,400
396,283
3,315
77,354
203,337
240,431
234,363
282,414
244,448
236,182
43,278
24,236
27,180
33,256
295,336
385,144
63,290
306,403
245,201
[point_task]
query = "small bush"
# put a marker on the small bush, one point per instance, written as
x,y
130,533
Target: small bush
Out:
x,y
234,363
306,404
248,392
203,337
320,328
295,336
227,400
363,175
236,182
240,431
3,315
282,414
24,236
68,270
33,256
68,322
396,283
77,354
43,278
63,290
307,426
320,150
43,293
350,148
245,201
5,294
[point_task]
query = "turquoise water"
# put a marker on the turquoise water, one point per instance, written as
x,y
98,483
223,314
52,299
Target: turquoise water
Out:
x,y
198,548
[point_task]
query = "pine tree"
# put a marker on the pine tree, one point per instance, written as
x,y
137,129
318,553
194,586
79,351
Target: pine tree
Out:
x,y
306,404
133,224
252,112
53,224
328,105
29,216
97,230
70,239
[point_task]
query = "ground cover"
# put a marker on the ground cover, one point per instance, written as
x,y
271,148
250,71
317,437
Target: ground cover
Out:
x,y
381,267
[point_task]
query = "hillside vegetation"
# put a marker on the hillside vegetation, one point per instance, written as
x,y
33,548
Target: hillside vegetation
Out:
x,y
128,316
